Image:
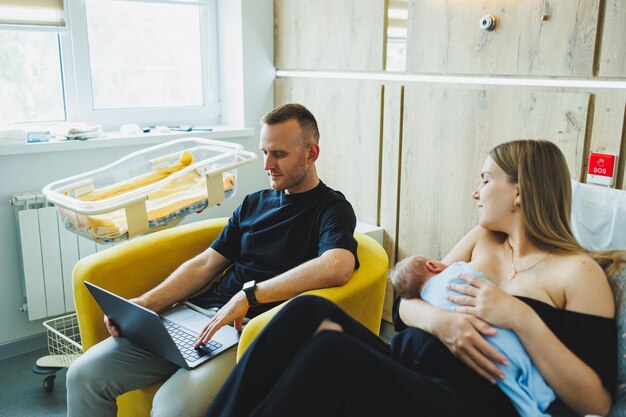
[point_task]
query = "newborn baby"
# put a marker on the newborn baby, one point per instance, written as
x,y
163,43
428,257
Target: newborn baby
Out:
x,y
418,276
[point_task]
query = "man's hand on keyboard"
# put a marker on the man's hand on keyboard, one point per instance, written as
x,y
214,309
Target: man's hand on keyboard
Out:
x,y
233,311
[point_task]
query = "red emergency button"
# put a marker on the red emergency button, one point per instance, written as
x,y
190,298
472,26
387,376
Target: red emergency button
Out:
x,y
600,168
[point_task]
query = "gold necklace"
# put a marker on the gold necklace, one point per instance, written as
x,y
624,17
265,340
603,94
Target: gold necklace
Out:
x,y
514,271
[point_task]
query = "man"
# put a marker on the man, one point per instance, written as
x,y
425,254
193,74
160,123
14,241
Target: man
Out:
x,y
294,237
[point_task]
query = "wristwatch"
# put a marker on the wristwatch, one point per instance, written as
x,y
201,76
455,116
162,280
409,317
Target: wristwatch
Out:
x,y
248,289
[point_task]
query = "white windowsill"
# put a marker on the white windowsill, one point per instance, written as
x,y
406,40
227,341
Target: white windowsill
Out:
x,y
113,139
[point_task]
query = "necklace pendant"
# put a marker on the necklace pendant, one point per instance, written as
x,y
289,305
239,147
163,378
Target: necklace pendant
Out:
x,y
511,275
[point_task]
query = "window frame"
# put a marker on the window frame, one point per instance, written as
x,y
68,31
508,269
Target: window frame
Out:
x,y
77,80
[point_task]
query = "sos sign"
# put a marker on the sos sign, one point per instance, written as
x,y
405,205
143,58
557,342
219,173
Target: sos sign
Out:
x,y
600,168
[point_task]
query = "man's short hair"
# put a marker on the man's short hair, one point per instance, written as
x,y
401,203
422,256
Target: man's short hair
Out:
x,y
306,120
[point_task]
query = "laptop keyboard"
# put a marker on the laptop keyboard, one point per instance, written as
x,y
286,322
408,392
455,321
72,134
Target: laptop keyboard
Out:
x,y
185,342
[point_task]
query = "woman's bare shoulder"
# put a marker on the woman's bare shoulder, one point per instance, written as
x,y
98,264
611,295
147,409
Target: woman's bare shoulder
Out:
x,y
463,250
586,286
487,239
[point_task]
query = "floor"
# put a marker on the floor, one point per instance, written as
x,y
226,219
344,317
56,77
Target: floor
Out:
x,y
22,393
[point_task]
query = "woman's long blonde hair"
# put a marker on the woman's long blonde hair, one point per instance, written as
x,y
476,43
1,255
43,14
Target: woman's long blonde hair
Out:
x,y
540,169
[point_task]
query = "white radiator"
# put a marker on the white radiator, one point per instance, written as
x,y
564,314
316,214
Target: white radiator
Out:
x,y
48,253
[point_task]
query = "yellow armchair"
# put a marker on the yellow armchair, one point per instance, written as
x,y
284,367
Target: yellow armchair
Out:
x,y
140,264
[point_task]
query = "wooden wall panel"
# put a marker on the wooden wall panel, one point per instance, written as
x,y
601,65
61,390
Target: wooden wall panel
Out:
x,y
447,134
613,50
329,34
390,166
348,116
444,37
607,132
390,178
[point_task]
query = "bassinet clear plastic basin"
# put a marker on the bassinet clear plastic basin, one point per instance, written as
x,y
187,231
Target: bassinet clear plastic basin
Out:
x,y
148,190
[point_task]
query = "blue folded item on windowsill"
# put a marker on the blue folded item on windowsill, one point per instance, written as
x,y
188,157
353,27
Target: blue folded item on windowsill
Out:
x,y
39,136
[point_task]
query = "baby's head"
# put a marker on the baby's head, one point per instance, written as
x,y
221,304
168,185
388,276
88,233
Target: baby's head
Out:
x,y
410,274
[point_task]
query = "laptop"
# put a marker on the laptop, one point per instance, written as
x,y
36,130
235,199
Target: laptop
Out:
x,y
171,335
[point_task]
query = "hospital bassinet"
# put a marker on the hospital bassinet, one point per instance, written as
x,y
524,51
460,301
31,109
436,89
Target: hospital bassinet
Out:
x,y
148,190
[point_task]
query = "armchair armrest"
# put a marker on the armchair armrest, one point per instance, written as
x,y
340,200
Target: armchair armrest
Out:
x,y
134,267
362,297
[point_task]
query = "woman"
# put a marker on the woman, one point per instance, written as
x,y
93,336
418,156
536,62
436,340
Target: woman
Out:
x,y
314,360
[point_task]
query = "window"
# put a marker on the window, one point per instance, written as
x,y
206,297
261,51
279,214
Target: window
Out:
x,y
397,15
116,62
31,85
159,68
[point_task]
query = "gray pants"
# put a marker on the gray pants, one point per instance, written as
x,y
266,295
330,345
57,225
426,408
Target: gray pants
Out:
x,y
115,366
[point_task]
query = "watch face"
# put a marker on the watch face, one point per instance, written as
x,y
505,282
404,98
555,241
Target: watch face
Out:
x,y
248,289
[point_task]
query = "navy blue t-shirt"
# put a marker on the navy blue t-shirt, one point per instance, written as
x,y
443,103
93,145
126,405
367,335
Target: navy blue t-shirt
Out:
x,y
272,232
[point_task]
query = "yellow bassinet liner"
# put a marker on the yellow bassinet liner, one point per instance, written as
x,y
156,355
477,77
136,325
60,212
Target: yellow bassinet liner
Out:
x,y
174,197
113,190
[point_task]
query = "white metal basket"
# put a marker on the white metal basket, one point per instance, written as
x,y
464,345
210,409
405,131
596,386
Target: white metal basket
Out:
x,y
64,339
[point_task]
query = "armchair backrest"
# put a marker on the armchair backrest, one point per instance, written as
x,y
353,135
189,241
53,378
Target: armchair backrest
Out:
x,y
618,284
599,222
362,297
